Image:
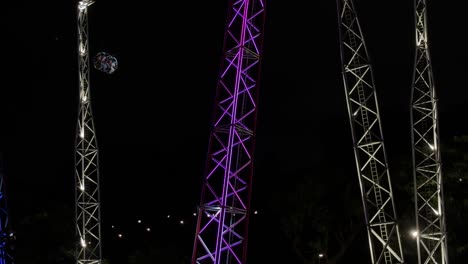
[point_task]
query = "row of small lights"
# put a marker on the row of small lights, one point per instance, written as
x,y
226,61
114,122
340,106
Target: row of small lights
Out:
x,y
148,229
414,234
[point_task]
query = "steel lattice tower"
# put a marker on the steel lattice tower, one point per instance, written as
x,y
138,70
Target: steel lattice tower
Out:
x,y
370,155
88,218
429,203
6,235
223,214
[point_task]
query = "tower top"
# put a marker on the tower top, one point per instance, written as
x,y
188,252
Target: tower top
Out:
x,y
84,4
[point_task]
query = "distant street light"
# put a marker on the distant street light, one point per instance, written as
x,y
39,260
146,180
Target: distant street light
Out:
x,y
320,256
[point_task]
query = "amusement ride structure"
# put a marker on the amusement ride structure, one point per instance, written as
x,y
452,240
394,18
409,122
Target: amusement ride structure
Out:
x,y
87,198
6,235
430,230
223,212
369,148
221,233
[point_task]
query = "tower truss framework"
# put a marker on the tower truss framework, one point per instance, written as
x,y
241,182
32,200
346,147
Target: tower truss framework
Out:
x,y
87,207
429,201
223,213
370,155
6,236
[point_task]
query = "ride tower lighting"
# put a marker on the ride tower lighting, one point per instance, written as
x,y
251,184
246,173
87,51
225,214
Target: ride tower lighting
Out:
x,y
87,206
6,235
431,236
224,209
368,143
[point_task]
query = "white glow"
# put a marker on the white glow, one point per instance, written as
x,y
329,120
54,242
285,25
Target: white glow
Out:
x,y
83,242
120,235
112,226
82,186
194,214
168,216
418,42
139,221
84,98
256,212
435,211
432,147
148,229
414,233
82,5
82,49
320,255
181,222
82,133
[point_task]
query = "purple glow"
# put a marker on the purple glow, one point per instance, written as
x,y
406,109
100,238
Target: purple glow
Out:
x,y
222,236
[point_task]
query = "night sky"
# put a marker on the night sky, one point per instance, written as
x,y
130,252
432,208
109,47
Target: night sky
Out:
x,y
152,115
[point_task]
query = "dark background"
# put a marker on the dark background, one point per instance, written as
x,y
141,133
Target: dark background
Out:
x,y
152,115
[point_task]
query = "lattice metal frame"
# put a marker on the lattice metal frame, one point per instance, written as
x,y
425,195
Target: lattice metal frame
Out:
x,y
221,233
370,155
429,201
88,216
6,236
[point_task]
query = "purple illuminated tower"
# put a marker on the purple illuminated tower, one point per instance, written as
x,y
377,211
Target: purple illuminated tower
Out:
x,y
223,213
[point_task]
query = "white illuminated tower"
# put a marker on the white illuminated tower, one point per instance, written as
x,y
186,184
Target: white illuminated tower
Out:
x,y
366,130
430,232
87,208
